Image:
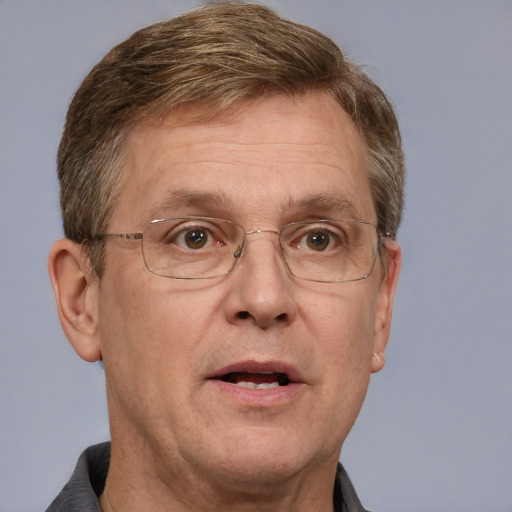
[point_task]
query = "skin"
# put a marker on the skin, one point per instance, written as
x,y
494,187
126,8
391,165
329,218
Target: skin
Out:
x,y
173,427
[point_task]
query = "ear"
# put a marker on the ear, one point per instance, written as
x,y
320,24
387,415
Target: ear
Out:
x,y
385,304
76,291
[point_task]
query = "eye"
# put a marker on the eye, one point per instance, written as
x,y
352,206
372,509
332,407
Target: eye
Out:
x,y
317,241
189,234
196,237
318,237
193,238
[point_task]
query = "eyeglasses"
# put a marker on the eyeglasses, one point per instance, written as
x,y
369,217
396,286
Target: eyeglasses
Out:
x,y
205,248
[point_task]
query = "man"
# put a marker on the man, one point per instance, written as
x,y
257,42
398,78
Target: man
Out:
x,y
231,188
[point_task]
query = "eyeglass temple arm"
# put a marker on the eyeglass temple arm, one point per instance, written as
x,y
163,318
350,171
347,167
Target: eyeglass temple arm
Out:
x,y
126,236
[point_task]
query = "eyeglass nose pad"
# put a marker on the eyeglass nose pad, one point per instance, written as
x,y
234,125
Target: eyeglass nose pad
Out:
x,y
238,251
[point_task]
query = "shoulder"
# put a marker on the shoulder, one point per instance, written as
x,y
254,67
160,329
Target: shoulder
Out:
x,y
345,498
87,482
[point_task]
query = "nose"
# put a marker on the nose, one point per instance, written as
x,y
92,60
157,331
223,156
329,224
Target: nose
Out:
x,y
261,289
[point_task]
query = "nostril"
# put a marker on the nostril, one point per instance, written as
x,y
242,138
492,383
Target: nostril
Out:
x,y
243,315
283,317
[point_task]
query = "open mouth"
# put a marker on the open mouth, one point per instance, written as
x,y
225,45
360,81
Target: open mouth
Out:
x,y
256,380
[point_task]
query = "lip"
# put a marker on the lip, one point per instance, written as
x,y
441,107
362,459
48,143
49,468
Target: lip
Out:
x,y
252,366
258,397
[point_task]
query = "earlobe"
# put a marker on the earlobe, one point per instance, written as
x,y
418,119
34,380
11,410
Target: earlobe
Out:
x,y
76,294
385,305
378,361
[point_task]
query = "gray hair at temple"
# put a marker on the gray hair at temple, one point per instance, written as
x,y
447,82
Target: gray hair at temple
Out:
x,y
216,57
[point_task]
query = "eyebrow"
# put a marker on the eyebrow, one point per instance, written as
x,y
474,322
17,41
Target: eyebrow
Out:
x,y
323,205
328,205
182,198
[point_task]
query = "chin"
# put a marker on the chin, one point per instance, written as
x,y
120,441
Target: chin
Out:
x,y
263,457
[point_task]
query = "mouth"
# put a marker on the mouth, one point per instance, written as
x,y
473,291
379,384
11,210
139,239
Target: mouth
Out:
x,y
257,375
250,380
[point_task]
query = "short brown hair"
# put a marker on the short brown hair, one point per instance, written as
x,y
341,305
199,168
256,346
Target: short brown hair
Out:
x,y
217,56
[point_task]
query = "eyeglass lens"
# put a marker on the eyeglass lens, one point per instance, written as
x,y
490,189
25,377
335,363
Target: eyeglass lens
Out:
x,y
201,248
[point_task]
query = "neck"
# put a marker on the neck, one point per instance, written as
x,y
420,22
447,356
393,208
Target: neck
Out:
x,y
185,491
105,503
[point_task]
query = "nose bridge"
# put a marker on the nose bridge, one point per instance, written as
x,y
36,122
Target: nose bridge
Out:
x,y
259,231
263,290
259,236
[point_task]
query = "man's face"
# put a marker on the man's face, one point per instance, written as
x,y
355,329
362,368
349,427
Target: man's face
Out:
x,y
166,343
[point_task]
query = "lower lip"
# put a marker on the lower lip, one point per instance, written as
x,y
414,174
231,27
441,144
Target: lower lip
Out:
x,y
258,397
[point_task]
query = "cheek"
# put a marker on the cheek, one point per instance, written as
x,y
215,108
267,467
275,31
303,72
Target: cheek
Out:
x,y
343,325
151,328
342,328
147,338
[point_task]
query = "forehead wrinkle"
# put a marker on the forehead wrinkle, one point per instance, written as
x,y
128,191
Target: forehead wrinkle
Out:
x,y
231,138
216,151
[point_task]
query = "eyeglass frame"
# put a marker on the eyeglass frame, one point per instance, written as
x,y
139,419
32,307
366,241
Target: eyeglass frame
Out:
x,y
239,251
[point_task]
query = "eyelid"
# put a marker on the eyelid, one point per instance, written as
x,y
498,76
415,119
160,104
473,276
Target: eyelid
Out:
x,y
320,225
295,237
191,224
218,230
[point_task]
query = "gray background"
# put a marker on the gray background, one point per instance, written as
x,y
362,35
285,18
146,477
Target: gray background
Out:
x,y
435,432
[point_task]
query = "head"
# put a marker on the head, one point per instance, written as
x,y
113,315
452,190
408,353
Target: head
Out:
x,y
234,113
217,58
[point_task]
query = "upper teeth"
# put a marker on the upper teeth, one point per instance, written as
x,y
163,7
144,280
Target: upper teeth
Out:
x,y
263,385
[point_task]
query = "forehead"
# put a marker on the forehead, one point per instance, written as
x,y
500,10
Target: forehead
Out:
x,y
276,156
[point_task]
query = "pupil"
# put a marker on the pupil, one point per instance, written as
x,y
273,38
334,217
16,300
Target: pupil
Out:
x,y
318,241
196,239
